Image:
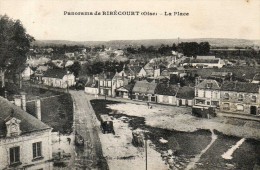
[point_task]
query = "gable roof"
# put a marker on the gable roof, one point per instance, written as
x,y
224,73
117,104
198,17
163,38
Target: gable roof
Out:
x,y
164,89
257,77
186,92
134,69
28,122
240,87
107,75
55,73
144,87
208,84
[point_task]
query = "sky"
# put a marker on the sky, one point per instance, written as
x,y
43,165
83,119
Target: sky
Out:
x,y
45,19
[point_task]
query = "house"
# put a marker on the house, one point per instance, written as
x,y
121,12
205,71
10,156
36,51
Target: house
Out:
x,y
185,96
256,79
69,55
151,69
91,87
240,97
109,82
125,91
209,57
25,141
27,72
144,91
39,72
204,63
58,78
166,93
175,95
207,93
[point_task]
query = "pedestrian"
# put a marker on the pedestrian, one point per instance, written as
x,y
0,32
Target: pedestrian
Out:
x,y
148,105
69,140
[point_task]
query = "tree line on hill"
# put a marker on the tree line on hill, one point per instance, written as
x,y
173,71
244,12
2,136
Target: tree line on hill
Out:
x,y
187,48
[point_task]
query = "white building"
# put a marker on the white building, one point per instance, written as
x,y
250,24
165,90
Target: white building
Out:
x,y
58,78
25,141
26,74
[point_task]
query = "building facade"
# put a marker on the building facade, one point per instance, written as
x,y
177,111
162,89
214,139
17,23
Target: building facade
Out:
x,y
25,141
207,93
240,97
58,78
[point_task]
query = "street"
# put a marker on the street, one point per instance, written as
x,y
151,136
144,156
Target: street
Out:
x,y
89,156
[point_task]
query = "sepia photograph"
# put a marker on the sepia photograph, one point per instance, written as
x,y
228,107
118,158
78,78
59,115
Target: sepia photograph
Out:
x,y
129,85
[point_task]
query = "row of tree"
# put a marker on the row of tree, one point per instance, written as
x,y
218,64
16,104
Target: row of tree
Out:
x,y
187,48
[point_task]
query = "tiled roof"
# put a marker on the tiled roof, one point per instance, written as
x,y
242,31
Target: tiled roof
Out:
x,y
221,74
208,84
144,87
134,69
164,89
107,75
185,92
257,77
240,87
28,122
205,61
55,73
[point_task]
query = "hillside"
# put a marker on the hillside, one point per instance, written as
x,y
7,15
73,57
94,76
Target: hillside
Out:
x,y
216,42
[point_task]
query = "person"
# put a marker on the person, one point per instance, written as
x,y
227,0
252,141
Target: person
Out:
x,y
69,140
148,105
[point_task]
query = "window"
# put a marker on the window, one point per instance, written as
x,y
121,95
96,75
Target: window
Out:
x,y
14,155
253,99
109,83
37,149
240,107
226,96
240,97
209,85
226,106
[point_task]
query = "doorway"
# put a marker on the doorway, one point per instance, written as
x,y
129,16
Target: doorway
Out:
x,y
253,110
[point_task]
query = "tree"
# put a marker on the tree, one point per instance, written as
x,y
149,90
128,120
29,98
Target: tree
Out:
x,y
14,44
75,68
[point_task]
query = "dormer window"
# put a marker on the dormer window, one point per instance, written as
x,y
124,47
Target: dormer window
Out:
x,y
209,85
253,99
240,97
13,127
226,96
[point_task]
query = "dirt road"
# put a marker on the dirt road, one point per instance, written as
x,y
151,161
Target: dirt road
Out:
x,y
86,124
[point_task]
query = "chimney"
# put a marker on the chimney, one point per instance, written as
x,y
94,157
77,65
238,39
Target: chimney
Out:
x,y
23,94
5,94
38,108
18,100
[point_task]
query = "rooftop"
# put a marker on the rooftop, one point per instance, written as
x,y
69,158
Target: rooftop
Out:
x,y
55,73
240,87
144,87
28,122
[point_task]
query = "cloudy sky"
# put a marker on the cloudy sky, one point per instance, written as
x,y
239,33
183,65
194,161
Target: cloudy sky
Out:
x,y
45,19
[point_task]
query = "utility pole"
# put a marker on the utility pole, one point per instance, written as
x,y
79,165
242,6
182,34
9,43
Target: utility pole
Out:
x,y
146,154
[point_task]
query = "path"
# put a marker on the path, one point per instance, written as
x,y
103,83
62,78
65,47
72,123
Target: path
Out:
x,y
193,162
87,125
